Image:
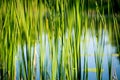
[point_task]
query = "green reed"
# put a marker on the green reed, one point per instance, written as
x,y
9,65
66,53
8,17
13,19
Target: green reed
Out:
x,y
23,24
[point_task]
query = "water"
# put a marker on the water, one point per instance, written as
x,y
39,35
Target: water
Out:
x,y
90,48
89,45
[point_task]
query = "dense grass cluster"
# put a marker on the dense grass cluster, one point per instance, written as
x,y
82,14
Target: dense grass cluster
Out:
x,y
22,24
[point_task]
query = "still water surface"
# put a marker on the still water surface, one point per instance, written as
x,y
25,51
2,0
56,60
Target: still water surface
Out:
x,y
88,45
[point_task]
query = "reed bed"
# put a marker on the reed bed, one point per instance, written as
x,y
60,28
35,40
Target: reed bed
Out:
x,y
25,24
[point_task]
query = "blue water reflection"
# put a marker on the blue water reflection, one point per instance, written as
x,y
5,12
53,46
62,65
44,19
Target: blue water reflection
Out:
x,y
89,44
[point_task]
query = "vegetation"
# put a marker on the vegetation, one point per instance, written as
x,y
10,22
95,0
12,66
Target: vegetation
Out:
x,y
23,24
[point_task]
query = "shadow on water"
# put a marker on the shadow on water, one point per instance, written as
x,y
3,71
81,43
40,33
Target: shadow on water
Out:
x,y
88,47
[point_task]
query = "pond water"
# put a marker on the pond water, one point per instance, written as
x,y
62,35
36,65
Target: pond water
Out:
x,y
89,46
107,49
